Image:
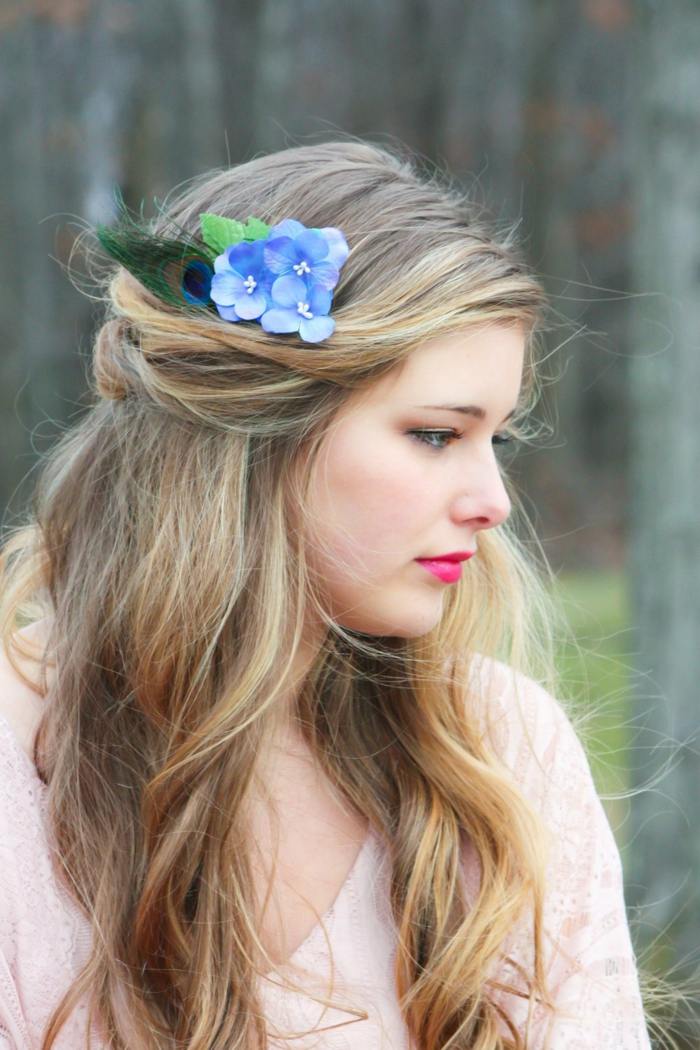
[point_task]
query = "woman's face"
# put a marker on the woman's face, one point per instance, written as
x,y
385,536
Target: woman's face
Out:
x,y
382,496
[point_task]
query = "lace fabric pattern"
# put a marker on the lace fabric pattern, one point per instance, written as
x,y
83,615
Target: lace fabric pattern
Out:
x,y
44,937
590,962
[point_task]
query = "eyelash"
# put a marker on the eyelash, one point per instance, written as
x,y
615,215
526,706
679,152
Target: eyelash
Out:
x,y
419,435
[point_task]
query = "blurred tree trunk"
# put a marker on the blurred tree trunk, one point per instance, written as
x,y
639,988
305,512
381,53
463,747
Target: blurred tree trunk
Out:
x,y
664,864
97,94
66,72
576,174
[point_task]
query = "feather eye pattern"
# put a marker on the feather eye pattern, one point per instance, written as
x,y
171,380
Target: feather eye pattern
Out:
x,y
176,270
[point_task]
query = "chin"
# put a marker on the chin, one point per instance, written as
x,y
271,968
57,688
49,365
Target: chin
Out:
x,y
386,610
415,630
400,625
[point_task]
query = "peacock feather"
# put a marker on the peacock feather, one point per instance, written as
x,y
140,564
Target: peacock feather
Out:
x,y
176,270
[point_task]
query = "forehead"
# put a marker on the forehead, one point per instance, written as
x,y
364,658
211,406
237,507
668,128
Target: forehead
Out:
x,y
476,363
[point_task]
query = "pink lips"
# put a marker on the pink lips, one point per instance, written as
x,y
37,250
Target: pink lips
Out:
x,y
448,566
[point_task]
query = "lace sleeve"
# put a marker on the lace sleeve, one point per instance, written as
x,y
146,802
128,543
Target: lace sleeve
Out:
x,y
589,959
13,1032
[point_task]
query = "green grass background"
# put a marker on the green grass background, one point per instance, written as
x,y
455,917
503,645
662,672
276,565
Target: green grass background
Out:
x,y
596,680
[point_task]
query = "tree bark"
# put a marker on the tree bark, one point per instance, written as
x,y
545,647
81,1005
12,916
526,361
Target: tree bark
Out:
x,y
664,552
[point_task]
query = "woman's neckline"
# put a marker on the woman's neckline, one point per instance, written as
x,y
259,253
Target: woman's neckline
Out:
x,y
313,934
353,874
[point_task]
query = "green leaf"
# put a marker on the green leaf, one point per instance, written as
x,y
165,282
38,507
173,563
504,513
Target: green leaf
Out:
x,y
256,229
219,233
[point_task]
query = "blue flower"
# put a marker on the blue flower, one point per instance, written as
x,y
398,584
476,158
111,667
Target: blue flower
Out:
x,y
313,255
298,306
241,283
284,280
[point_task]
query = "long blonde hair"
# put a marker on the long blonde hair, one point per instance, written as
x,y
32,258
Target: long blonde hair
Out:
x,y
164,549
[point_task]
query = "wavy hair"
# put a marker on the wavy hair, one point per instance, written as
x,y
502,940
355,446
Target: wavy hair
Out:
x,y
166,546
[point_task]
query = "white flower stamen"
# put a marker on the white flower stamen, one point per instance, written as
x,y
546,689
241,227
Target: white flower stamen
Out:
x,y
301,267
303,309
250,284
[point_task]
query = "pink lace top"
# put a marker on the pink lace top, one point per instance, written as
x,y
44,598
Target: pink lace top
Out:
x,y
44,939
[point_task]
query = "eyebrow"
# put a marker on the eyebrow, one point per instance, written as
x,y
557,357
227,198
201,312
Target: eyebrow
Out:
x,y
467,410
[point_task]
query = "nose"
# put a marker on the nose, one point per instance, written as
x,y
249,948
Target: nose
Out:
x,y
484,500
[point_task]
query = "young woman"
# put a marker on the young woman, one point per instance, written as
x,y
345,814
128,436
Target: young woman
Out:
x,y
282,763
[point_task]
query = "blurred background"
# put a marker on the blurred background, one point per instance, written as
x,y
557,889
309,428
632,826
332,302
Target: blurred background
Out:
x,y
579,120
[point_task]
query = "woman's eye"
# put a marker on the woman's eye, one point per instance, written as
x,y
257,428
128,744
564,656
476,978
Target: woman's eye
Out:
x,y
446,436
425,435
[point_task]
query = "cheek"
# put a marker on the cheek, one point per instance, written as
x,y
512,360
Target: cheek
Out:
x,y
368,504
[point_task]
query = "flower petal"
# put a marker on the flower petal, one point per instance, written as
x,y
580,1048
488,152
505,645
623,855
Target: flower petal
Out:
x,y
325,274
287,228
228,313
279,254
280,320
226,287
316,329
246,258
311,245
319,300
338,250
248,307
289,290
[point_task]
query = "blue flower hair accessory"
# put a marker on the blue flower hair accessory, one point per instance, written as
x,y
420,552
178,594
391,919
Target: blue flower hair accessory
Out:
x,y
281,277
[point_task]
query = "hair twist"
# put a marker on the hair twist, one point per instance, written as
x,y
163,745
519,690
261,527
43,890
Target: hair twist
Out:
x,y
115,377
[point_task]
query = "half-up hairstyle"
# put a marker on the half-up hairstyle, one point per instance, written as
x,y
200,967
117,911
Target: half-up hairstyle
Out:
x,y
166,550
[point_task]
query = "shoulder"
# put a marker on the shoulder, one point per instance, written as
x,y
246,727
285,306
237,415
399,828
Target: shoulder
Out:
x,y
525,727
24,861
511,708
22,704
530,734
